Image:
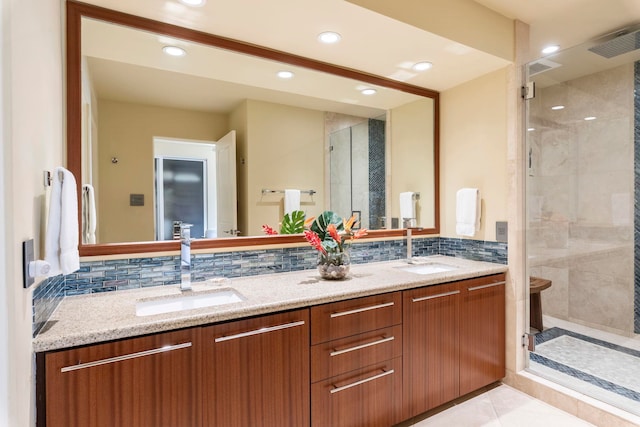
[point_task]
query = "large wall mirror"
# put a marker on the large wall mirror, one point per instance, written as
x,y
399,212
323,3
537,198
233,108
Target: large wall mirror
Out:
x,y
215,138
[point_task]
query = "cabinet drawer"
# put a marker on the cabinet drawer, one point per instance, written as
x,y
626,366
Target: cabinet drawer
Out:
x,y
370,397
339,356
346,318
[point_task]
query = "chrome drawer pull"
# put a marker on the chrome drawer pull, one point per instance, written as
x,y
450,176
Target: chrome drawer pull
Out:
x,y
360,347
125,357
490,285
360,310
260,331
446,294
366,380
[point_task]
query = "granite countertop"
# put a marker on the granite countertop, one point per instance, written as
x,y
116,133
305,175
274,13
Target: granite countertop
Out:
x,y
102,317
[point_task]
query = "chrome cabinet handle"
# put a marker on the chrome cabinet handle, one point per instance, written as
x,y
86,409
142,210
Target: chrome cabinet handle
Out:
x,y
360,347
125,357
366,380
445,294
260,331
360,310
490,285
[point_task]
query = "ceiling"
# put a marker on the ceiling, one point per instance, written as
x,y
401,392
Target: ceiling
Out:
x,y
567,22
375,43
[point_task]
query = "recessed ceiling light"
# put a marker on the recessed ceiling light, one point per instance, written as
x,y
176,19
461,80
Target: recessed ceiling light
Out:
x,y
368,91
531,129
195,3
558,107
550,49
421,66
329,37
174,51
590,118
285,74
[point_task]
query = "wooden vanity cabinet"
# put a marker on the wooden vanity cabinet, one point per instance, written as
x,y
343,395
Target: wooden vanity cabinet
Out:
x,y
372,361
149,381
256,371
482,332
431,331
453,341
356,362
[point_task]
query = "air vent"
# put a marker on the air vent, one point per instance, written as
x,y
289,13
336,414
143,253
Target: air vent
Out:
x,y
541,65
619,45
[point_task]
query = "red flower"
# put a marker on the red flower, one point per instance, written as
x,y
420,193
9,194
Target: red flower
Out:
x,y
333,232
268,230
314,240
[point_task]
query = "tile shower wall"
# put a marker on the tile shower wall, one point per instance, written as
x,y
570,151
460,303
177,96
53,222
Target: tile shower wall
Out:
x,y
114,275
636,205
377,173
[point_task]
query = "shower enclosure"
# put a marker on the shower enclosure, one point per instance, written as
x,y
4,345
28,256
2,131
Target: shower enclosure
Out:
x,y
357,168
583,173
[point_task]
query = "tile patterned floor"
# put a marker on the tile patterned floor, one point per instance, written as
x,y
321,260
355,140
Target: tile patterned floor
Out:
x,y
600,376
503,406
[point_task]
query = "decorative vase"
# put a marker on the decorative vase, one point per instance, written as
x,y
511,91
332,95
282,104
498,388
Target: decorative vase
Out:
x,y
333,265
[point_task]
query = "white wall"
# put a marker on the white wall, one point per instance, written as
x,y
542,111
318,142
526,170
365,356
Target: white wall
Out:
x,y
32,133
4,309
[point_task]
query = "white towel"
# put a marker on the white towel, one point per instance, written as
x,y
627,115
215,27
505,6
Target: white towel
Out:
x,y
408,208
89,219
291,201
467,211
61,245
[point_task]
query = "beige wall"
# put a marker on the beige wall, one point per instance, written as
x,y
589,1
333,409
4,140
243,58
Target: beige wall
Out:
x,y
285,150
32,141
464,21
126,131
412,158
473,150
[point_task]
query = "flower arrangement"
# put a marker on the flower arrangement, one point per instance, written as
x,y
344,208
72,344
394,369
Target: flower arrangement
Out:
x,y
329,234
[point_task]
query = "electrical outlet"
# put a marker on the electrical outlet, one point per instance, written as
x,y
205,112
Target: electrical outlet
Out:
x,y
502,231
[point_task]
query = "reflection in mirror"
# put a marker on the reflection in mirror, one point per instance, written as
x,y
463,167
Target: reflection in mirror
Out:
x,y
309,132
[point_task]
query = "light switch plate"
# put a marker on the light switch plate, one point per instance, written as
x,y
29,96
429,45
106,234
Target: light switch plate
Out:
x,y
502,231
27,257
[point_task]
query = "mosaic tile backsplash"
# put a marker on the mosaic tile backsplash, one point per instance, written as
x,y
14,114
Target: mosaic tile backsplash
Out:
x,y
114,275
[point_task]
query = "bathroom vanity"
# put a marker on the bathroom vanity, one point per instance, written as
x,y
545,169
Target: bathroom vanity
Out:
x,y
382,347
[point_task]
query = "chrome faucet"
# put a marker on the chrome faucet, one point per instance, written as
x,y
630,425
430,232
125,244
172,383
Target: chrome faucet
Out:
x,y
185,257
409,245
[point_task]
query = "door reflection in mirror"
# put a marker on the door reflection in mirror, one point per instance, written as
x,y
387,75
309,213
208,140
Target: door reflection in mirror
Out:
x,y
188,177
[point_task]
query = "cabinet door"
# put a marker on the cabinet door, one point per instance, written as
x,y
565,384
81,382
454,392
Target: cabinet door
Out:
x,y
430,347
370,397
143,382
256,372
482,333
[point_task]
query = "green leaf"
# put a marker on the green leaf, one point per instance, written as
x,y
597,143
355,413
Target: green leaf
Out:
x,y
293,223
320,224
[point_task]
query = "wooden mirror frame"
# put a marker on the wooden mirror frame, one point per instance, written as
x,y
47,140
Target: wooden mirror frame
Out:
x,y
77,10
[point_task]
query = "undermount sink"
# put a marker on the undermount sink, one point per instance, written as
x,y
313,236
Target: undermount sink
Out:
x,y
429,268
187,301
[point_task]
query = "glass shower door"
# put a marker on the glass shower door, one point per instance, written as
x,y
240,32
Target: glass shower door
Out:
x,y
580,237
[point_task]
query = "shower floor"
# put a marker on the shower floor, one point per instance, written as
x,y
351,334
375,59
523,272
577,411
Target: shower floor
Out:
x,y
599,364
